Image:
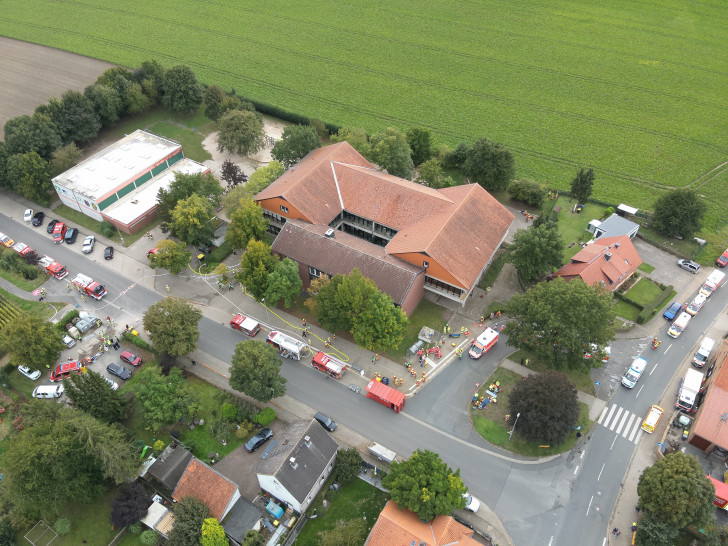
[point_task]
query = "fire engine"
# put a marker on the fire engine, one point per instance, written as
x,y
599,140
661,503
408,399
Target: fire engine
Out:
x,y
328,364
52,267
289,347
88,286
245,324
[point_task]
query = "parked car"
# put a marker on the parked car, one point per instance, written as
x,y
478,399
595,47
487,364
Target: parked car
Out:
x,y
48,391
258,440
131,358
51,226
6,241
722,260
38,218
119,371
471,503
28,215
30,374
68,341
689,265
88,244
109,253
59,232
672,311
71,235
113,384
327,422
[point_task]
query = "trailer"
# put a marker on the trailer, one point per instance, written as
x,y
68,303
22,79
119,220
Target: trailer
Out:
x,y
328,364
245,324
385,395
381,453
88,286
52,267
483,343
287,346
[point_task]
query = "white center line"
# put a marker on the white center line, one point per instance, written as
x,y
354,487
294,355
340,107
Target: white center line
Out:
x,y
600,472
639,391
653,369
588,507
668,348
576,470
615,439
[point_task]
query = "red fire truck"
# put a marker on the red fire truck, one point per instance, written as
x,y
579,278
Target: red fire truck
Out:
x,y
88,286
289,347
245,324
386,395
22,249
52,267
328,364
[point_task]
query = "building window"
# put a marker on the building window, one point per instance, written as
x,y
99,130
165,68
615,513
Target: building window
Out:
x,y
313,272
284,209
425,264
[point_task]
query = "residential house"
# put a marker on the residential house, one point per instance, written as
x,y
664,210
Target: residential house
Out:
x,y
241,518
298,464
203,483
168,467
450,234
400,527
614,226
608,261
710,429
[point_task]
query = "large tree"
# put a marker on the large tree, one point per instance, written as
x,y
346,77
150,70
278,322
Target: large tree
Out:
x,y
381,324
91,393
352,295
295,143
182,92
170,255
246,223
182,187
255,266
31,341
213,97
537,250
35,133
241,132
232,175
189,515
389,150
258,181
256,371
425,485
106,102
548,408
582,185
192,220
527,190
489,164
329,314
675,491
679,213
30,176
348,465
655,532
64,158
431,174
213,533
356,137
283,283
172,323
557,320
164,399
420,142
75,117
130,505
62,456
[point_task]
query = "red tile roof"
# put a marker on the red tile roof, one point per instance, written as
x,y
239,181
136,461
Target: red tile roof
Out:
x,y
710,422
203,483
594,266
399,527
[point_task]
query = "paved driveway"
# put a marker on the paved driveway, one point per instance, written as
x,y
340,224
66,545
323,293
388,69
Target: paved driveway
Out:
x,y
666,269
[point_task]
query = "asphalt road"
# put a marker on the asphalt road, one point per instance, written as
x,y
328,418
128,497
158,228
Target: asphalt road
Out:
x,y
567,500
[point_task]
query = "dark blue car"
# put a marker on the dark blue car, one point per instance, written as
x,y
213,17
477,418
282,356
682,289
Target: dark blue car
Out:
x,y
673,310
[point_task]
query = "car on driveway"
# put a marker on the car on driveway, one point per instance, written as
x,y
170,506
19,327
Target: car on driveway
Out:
x,y
471,503
30,374
119,371
258,440
51,226
109,253
38,218
672,311
28,215
68,341
71,235
59,232
88,244
113,384
131,358
689,265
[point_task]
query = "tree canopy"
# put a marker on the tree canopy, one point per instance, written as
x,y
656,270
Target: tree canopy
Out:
x,y
189,515
30,176
356,137
130,505
232,175
381,324
75,117
283,283
164,399
31,341
182,92
348,464
36,133
246,223
258,181
389,150
295,143
170,255
548,408
173,323
213,97
106,101
91,393
675,491
255,266
182,187
489,164
420,142
241,132
582,185
213,533
529,191
430,174
679,213
256,371
64,158
557,321
537,250
192,220
425,485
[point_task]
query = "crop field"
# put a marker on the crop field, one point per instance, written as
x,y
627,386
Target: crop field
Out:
x,y
637,90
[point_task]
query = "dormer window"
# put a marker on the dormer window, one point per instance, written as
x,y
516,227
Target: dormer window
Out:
x,y
284,209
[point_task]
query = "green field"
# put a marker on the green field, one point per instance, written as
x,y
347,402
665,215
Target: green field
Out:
x,y
635,90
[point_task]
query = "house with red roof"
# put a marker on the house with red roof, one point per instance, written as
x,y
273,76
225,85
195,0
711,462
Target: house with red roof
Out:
x,y
203,483
710,429
608,261
439,240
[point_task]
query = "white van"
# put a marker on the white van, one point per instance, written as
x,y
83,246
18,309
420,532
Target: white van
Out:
x,y
679,325
701,357
48,391
634,373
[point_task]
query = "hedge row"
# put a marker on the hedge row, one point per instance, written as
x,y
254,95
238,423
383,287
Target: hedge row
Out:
x,y
138,341
657,303
68,317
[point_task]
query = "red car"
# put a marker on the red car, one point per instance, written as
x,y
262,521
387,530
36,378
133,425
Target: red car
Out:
x,y
65,370
722,261
59,232
131,358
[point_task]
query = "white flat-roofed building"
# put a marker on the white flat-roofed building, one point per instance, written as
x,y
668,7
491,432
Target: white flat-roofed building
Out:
x,y
119,184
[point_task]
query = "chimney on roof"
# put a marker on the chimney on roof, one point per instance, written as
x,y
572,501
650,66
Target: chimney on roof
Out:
x,y
294,464
307,440
616,245
329,233
607,256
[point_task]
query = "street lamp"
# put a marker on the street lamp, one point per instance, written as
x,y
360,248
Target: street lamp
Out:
x,y
514,427
267,319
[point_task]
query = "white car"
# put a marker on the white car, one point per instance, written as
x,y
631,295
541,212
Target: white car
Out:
x,y
471,503
113,384
28,215
88,244
68,341
30,374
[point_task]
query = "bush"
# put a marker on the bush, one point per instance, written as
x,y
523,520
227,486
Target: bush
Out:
x,y
62,526
220,429
229,412
645,314
348,463
135,528
266,417
149,537
138,341
106,229
529,191
7,532
246,410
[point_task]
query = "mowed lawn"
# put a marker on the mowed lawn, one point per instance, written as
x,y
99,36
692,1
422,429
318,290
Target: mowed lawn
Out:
x,y
634,92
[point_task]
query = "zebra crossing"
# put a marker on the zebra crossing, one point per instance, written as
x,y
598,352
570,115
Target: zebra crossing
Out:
x,y
621,421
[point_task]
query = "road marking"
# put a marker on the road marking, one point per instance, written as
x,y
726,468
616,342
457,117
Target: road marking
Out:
x,y
639,435
588,507
634,431
582,454
621,423
628,425
601,416
639,391
611,411
668,348
653,369
616,418
615,439
600,472
576,470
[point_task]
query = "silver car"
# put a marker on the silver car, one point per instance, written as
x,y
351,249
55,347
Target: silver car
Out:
x,y
88,244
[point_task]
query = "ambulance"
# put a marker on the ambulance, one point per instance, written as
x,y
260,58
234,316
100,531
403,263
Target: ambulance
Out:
x,y
483,343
